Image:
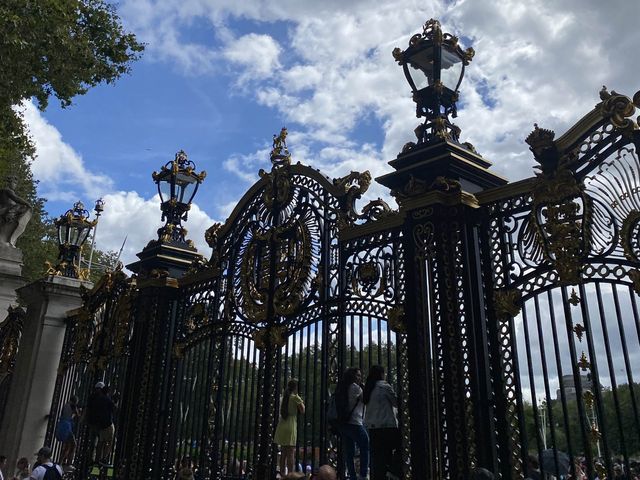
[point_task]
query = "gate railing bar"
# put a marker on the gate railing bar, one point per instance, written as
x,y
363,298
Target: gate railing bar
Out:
x,y
532,386
602,417
614,381
563,396
584,430
545,373
632,296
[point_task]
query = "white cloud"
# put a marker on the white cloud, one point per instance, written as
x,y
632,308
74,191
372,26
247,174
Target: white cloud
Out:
x,y
129,215
257,54
536,62
61,169
64,176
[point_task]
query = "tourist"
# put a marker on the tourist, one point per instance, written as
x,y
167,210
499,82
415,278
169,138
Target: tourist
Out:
x,y
100,411
352,431
64,433
533,470
185,469
294,476
286,434
480,473
46,467
327,472
380,419
23,469
618,472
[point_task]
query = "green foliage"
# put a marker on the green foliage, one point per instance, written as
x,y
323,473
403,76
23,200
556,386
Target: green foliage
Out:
x,y
619,424
101,262
51,48
60,48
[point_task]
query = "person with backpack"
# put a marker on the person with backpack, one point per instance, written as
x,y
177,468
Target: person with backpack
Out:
x,y
46,469
350,415
287,429
380,418
64,433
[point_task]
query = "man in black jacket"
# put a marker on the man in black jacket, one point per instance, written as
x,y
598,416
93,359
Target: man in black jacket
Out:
x,y
100,411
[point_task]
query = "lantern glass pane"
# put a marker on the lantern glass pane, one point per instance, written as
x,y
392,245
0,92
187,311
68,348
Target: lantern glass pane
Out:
x,y
451,68
186,187
63,232
73,235
423,60
83,234
164,188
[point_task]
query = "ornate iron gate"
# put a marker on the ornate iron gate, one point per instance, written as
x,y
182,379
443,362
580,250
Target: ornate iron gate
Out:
x,y
280,297
561,251
96,348
506,316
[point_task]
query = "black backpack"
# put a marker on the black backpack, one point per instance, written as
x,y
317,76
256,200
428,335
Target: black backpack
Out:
x,y
338,412
51,473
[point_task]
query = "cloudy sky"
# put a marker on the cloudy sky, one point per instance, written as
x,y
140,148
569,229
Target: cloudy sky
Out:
x,y
220,77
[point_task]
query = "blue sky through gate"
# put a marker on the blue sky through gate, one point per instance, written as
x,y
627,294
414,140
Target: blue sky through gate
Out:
x,y
219,78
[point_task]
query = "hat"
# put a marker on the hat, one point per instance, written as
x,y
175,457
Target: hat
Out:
x,y
100,385
45,452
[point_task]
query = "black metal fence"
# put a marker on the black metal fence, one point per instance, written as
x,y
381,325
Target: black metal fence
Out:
x,y
95,348
507,320
10,336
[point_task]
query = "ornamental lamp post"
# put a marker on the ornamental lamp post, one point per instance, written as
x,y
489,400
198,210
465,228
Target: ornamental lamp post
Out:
x,y
177,184
73,229
437,64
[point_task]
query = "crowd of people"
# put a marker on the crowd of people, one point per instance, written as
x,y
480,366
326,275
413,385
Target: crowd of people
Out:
x,y
98,414
365,418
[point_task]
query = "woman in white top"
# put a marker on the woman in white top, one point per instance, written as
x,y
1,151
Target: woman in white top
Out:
x,y
382,425
350,411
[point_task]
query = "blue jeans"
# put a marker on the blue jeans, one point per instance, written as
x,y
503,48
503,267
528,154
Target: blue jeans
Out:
x,y
352,435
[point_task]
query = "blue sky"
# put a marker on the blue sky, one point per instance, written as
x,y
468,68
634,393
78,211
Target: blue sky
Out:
x,y
220,77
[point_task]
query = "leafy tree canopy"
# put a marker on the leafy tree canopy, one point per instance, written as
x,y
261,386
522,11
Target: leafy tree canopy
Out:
x,y
60,48
51,48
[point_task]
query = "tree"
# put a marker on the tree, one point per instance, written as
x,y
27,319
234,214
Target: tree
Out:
x,y
51,48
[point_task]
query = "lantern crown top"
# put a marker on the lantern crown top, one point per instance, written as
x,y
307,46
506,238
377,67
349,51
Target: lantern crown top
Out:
x,y
77,214
280,153
432,33
180,164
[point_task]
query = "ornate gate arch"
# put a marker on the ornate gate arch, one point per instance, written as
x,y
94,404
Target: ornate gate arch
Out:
x,y
280,296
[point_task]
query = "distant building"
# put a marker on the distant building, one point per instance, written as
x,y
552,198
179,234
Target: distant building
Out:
x,y
566,382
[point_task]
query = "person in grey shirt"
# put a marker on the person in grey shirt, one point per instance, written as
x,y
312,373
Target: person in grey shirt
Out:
x,y
350,411
380,419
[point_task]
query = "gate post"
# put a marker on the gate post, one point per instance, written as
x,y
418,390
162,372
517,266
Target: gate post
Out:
x,y
434,184
268,340
144,423
24,424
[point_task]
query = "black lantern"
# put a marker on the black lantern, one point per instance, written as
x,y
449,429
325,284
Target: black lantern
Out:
x,y
73,229
177,184
434,66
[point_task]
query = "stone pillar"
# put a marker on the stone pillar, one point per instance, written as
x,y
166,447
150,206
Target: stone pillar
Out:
x,y
24,424
10,276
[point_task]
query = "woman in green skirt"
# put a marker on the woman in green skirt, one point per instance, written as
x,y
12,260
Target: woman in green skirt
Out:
x,y
287,429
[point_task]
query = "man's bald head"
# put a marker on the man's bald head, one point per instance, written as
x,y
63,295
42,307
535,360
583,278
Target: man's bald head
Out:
x,y
327,472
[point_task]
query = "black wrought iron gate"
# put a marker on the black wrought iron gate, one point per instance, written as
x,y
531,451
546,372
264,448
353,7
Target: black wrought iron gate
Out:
x,y
281,297
507,316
